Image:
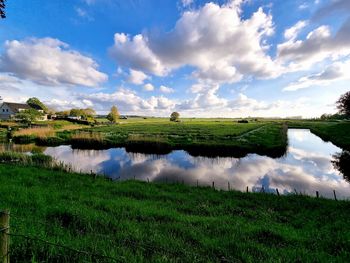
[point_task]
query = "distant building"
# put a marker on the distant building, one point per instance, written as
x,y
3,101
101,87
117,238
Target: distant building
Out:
x,y
8,110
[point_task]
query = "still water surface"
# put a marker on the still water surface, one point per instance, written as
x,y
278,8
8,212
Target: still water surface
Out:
x,y
307,167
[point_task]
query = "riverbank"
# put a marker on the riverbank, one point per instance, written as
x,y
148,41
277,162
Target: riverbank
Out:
x,y
337,132
136,221
198,137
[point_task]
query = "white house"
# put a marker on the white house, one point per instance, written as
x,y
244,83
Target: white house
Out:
x,y
9,109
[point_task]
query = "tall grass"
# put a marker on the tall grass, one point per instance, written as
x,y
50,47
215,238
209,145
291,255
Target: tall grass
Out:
x,y
35,159
42,132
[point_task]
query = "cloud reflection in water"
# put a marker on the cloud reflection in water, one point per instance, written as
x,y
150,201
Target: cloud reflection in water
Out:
x,y
307,167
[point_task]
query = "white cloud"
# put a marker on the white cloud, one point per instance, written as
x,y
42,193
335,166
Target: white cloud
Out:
x,y
165,89
129,102
135,53
137,77
186,3
209,40
320,44
48,61
335,72
292,32
148,87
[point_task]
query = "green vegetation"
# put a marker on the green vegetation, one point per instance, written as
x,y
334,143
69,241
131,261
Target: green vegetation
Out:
x,y
3,134
114,115
29,116
35,103
175,116
139,222
210,137
198,137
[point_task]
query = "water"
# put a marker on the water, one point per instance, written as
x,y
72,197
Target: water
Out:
x,y
307,167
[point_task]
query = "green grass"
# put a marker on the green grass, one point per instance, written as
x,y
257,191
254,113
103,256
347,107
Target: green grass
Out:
x,y
3,134
226,136
210,137
139,222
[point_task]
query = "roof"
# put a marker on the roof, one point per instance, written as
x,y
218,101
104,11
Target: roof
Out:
x,y
15,107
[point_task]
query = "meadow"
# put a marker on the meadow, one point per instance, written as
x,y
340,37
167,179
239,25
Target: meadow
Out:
x,y
207,137
148,222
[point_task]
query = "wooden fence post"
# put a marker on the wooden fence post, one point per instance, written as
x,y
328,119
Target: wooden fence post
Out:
x,y
335,195
4,237
247,189
213,185
317,194
228,186
278,193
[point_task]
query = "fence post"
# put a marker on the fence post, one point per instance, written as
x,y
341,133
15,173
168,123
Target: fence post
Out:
x,y
278,193
317,194
4,237
213,185
335,195
228,186
247,189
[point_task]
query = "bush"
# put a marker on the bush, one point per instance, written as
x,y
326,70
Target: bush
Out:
x,y
243,121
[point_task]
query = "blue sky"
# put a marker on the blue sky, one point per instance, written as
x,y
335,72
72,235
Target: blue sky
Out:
x,y
228,58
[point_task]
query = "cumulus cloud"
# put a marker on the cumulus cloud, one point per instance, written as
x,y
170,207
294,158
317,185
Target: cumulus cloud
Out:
x,y
209,39
137,77
135,53
129,102
319,45
165,89
48,61
292,32
336,71
148,87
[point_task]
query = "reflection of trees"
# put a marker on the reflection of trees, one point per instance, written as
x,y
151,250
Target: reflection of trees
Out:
x,y
341,161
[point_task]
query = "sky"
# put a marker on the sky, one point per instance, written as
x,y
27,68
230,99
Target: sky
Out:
x,y
227,58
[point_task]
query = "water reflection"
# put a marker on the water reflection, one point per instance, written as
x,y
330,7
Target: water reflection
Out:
x,y
307,167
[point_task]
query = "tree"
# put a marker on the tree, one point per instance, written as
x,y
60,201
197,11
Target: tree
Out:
x,y
29,116
343,104
341,162
174,116
113,115
35,103
2,9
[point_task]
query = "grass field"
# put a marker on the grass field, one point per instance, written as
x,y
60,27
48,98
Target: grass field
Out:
x,y
212,137
208,137
139,222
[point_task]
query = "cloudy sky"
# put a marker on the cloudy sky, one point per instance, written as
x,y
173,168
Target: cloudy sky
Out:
x,y
224,58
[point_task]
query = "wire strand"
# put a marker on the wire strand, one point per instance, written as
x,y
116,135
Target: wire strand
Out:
x,y
64,247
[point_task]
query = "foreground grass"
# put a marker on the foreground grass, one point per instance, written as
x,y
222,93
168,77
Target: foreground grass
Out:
x,y
139,222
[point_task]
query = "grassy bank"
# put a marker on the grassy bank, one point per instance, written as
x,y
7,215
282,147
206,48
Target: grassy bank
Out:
x,y
139,222
198,137
210,137
336,132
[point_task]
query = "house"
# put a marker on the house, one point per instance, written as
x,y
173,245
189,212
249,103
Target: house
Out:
x,y
8,110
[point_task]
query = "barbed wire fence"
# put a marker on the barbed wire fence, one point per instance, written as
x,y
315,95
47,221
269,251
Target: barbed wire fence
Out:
x,y
6,234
